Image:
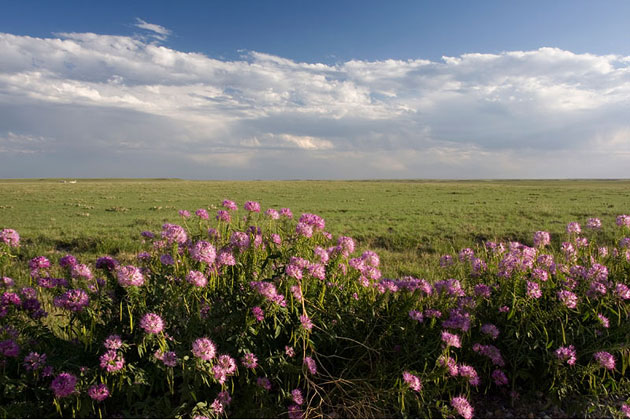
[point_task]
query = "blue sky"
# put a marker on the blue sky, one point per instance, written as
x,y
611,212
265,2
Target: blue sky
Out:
x,y
320,89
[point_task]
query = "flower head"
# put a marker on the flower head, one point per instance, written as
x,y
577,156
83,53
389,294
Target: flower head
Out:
x,y
129,275
10,237
462,406
63,385
204,348
152,323
605,359
413,381
98,392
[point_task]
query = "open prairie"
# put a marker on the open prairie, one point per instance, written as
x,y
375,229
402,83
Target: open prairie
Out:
x,y
409,223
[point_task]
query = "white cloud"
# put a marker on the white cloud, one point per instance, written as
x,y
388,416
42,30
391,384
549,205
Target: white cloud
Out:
x,y
159,32
476,115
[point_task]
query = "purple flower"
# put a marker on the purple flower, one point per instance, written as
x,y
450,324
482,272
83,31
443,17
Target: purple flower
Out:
x,y
306,322
10,237
446,261
310,364
202,214
623,220
74,300
573,227
230,205
174,233
483,290
622,291
451,340
491,330
258,313
413,381
296,396
295,412
286,213
152,323
491,352
263,383
34,361
225,257
594,223
303,229
184,213
225,366
533,290
223,216
462,406
469,372
111,361
249,360
98,392
273,214
569,298
252,206
204,252
603,320
9,348
204,348
240,240
499,377
416,315
196,278
129,275
68,261
541,239
106,263
113,342
466,254
605,359
6,282
625,409
63,385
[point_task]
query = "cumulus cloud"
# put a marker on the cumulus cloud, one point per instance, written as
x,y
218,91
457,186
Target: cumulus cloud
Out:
x,y
125,106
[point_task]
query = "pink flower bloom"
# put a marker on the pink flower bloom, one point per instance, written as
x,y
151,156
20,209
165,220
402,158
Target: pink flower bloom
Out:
x,y
81,270
223,216
10,237
306,322
258,313
169,359
74,300
204,348
63,385
264,383
113,342
152,323
605,359
174,233
272,214
184,213
295,412
623,220
573,227
240,240
533,290
446,261
541,239
296,396
204,252
491,330
34,361
250,361
463,407
491,352
303,229
416,315
68,261
603,320
196,278
286,213
202,214
225,366
310,364
9,348
625,409
252,206
129,276
450,364
230,205
466,254
289,351
469,372
111,361
98,392
569,298
451,340
483,290
594,223
622,291
413,381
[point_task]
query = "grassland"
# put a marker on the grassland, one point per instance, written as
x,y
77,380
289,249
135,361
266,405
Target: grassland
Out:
x,y
409,223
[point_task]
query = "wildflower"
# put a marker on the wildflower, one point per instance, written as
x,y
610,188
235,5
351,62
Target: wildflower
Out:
x,y
113,342
204,348
446,261
74,300
310,364
466,254
9,348
491,330
263,383
296,396
504,309
258,313
624,243
482,290
204,252
449,363
81,270
594,223
603,320
68,261
6,281
252,206
451,287
10,237
295,412
223,216
111,361
152,323
491,352
306,322
289,351
217,406
499,377
106,263
196,278
63,385
169,358
569,298
143,256
294,271
166,259
541,239
174,233
413,381
225,257
533,290
432,313
34,361
184,213
202,214
469,372
230,205
303,229
462,406
268,290
625,409
573,227
98,392
240,240
622,291
129,275
318,271
345,244
224,367
416,315
623,220
457,320
249,361
286,213
605,359
272,214
451,340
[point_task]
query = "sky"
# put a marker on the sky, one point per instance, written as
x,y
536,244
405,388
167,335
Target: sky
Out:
x,y
315,89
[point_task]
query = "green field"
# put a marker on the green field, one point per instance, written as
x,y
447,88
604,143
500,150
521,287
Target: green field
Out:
x,y
409,223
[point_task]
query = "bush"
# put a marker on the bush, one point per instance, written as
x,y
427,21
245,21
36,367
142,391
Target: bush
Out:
x,y
257,315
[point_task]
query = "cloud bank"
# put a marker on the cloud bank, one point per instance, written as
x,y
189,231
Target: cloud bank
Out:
x,y
84,104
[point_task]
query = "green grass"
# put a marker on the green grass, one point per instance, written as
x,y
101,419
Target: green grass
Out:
x,y
409,223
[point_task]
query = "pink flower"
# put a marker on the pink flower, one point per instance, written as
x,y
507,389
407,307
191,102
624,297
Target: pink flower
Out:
x,y
184,213
625,409
129,276
297,397
541,239
573,227
272,214
204,348
569,298
34,361
223,216
249,361
196,278
152,323
462,406
310,364
594,223
533,290
230,205
113,342
63,385
10,237
111,361
416,315
605,359
491,330
499,378
289,351
295,412
204,252
98,392
307,324
451,340
202,214
603,320
258,313
623,220
264,383
252,206
174,233
413,381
